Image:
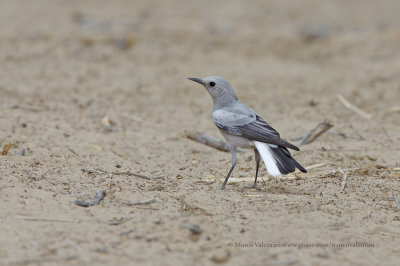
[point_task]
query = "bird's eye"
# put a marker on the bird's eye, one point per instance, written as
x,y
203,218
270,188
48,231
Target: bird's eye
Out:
x,y
212,83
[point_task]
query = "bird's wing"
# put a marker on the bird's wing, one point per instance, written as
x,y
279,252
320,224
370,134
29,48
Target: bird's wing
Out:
x,y
246,123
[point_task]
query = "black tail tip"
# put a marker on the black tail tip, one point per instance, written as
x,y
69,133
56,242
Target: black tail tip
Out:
x,y
293,147
301,168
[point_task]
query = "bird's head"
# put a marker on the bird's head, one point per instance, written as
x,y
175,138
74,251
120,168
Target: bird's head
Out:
x,y
218,88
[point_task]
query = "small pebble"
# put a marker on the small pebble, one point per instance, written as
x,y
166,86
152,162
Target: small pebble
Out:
x,y
194,228
102,250
323,254
21,152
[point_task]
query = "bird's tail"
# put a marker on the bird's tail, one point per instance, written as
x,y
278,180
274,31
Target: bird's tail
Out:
x,y
277,159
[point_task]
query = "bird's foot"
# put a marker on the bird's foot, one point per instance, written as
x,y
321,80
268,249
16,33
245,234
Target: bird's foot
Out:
x,y
223,187
252,186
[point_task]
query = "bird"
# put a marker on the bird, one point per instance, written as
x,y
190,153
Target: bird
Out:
x,y
242,127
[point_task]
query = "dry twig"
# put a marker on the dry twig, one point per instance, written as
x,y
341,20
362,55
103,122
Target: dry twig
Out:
x,y
193,208
347,136
71,150
29,218
396,200
317,131
386,134
28,107
146,202
209,141
56,260
353,108
117,221
344,179
206,181
137,175
317,165
6,148
394,109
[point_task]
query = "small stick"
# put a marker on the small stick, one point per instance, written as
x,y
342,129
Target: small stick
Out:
x,y
114,222
344,179
347,136
146,202
353,108
29,108
71,150
386,134
206,181
358,133
100,194
6,148
192,208
318,165
298,138
327,174
43,260
138,175
133,118
394,109
209,141
396,200
252,196
317,131
342,150
28,218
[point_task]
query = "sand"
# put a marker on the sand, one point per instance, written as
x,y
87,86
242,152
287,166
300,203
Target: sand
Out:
x,y
90,89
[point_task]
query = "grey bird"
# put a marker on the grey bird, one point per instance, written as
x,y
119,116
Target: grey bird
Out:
x,y
243,127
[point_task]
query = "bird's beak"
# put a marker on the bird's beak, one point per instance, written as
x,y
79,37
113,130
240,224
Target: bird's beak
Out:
x,y
197,80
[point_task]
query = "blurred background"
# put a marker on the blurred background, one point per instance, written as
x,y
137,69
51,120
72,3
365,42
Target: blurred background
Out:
x,y
288,60
107,80
141,51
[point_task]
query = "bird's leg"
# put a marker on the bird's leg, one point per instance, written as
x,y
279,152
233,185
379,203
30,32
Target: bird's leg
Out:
x,y
234,161
258,159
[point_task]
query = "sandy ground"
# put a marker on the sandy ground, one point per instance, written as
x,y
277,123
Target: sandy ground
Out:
x,y
66,65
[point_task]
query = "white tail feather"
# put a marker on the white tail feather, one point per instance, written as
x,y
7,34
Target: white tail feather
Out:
x,y
266,154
